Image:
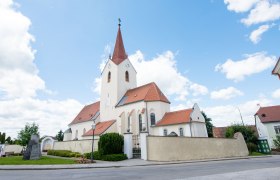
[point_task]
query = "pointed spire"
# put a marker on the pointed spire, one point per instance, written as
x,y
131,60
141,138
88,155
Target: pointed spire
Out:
x,y
119,54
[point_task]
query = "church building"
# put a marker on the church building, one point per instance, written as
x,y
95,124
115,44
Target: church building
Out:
x,y
124,107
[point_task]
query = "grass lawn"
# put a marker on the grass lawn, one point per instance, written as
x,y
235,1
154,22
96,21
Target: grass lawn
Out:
x,y
17,160
257,154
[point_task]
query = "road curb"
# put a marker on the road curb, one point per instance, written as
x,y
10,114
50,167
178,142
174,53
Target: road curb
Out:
x,y
89,166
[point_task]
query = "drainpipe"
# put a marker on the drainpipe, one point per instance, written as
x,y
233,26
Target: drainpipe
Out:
x,y
191,126
147,122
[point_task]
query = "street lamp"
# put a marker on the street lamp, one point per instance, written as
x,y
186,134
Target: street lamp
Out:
x,y
240,116
93,128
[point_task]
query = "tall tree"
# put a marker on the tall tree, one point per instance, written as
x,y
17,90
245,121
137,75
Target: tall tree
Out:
x,y
2,138
25,134
209,125
60,135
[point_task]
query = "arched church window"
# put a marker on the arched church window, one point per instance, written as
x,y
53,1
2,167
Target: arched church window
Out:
x,y
109,77
140,123
181,131
128,124
76,134
153,119
84,131
126,76
165,132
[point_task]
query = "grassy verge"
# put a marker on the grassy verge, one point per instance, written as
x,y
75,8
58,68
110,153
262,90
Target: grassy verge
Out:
x,y
257,154
17,160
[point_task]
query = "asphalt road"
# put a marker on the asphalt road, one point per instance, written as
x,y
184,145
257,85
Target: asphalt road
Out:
x,y
257,168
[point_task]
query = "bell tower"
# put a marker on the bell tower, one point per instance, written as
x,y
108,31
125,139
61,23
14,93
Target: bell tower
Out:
x,y
118,76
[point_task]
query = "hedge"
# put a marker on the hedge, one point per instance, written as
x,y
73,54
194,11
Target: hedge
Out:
x,y
110,143
63,153
96,155
108,157
114,157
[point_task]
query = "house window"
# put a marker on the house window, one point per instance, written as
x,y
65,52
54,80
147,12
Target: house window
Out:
x,y
165,132
126,76
153,119
140,123
277,129
109,77
84,131
181,131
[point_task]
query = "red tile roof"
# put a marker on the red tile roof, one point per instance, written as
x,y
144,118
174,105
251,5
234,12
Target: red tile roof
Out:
x,y
100,128
148,92
87,113
219,132
269,114
119,54
175,117
276,69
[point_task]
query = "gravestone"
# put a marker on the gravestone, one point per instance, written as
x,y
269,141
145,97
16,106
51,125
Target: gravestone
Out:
x,y
33,151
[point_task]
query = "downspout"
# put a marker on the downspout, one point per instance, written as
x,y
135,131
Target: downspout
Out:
x,y
147,118
191,126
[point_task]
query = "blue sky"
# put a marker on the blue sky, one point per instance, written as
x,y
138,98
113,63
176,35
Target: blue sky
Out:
x,y
220,53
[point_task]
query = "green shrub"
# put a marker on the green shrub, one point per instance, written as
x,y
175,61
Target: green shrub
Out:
x,y
96,155
277,141
247,132
110,143
251,147
114,157
63,153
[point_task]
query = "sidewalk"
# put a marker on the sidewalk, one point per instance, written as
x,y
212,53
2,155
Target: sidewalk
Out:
x,y
107,164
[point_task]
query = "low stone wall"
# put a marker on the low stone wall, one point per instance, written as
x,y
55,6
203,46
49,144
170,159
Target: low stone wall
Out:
x,y
162,148
81,146
16,149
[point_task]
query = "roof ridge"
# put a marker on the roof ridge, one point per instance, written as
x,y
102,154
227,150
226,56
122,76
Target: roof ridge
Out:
x,y
179,110
140,86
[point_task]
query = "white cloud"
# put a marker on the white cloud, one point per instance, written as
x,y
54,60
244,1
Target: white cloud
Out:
x,y
264,11
252,64
163,71
16,55
255,36
20,82
240,5
51,115
276,93
227,93
225,115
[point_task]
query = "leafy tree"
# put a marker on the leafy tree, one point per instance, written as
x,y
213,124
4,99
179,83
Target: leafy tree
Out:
x,y
247,132
2,138
60,135
25,134
209,125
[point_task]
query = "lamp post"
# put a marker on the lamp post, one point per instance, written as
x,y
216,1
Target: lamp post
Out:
x,y
93,127
240,116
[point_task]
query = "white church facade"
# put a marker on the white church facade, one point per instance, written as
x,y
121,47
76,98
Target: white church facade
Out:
x,y
124,107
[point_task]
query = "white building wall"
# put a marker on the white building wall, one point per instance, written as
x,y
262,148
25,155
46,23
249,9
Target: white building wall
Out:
x,y
159,108
261,128
80,129
113,91
122,117
159,131
111,129
198,125
271,132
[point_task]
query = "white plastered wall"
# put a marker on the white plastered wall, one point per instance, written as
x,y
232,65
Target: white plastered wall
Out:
x,y
159,130
198,126
271,132
113,91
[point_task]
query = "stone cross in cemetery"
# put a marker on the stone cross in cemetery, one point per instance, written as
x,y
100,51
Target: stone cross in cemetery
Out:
x,y
33,151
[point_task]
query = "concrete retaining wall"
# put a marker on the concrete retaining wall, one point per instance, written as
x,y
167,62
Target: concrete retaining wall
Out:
x,y
184,148
81,146
16,149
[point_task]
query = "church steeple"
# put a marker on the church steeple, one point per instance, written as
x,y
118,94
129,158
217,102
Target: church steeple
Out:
x,y
119,54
